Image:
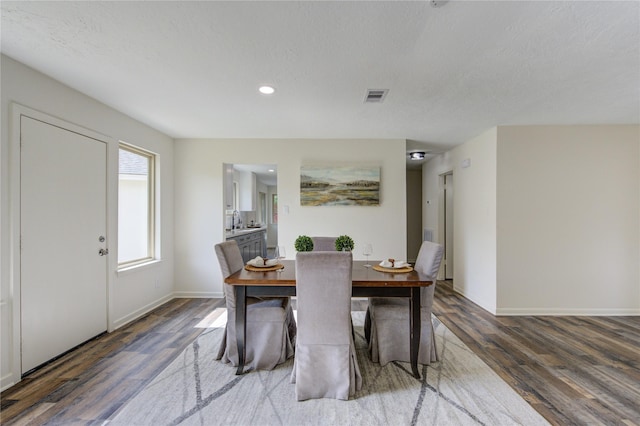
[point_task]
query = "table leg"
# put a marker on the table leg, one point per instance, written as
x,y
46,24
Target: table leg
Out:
x,y
241,324
414,323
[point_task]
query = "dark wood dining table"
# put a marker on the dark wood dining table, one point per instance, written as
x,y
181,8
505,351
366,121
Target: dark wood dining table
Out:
x,y
366,282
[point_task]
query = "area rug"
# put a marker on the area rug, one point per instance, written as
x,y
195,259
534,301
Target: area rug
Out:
x,y
458,390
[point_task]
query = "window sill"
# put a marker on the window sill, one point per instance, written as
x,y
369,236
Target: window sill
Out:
x,y
139,267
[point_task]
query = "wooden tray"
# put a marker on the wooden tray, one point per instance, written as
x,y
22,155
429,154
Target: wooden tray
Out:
x,y
267,269
393,270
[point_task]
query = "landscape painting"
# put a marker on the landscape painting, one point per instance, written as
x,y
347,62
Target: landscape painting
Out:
x,y
339,185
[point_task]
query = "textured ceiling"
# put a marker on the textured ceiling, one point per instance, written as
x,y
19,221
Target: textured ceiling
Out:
x,y
453,70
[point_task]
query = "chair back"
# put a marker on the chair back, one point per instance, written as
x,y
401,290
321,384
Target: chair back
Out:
x,y
428,265
230,260
323,290
325,364
324,243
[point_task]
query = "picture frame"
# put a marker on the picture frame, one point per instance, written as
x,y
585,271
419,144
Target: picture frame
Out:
x,y
345,185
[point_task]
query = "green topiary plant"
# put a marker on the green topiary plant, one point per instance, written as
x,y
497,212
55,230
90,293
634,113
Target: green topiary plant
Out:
x,y
303,243
344,243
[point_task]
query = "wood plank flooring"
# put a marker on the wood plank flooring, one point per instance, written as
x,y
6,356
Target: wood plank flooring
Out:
x,y
573,370
87,385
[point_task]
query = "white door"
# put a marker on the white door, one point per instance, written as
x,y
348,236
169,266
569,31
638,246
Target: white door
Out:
x,y
62,219
448,227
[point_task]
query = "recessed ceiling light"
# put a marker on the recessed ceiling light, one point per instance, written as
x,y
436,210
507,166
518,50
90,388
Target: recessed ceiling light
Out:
x,y
266,90
417,155
271,170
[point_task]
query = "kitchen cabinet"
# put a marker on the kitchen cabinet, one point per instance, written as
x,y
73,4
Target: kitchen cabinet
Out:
x,y
247,191
227,181
251,243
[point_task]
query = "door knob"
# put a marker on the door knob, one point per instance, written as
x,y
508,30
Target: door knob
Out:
x,y
103,252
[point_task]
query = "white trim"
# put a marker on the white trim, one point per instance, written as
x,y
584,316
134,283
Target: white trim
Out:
x,y
442,218
587,312
198,295
16,111
6,382
575,312
153,188
462,294
139,267
14,238
120,322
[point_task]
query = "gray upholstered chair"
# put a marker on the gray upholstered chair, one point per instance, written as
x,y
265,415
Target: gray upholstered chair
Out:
x,y
387,319
324,243
271,326
325,365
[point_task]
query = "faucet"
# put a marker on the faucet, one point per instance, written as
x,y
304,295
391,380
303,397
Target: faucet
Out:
x,y
233,219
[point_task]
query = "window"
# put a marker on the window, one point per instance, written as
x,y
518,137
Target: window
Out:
x,y
136,206
263,209
236,196
274,208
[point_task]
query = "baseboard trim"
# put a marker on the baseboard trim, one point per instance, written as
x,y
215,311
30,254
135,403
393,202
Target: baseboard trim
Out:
x,y
120,322
198,295
6,382
576,312
586,312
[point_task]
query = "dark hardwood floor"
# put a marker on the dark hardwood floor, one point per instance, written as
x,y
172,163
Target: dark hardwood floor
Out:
x,y
86,386
573,370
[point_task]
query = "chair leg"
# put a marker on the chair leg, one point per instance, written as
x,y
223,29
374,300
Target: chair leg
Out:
x,y
367,326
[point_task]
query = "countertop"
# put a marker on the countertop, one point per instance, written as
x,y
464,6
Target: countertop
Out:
x,y
244,231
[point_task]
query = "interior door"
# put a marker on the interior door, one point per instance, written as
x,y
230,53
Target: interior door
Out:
x,y
63,227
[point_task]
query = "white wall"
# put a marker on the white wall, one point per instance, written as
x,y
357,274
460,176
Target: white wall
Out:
x,y
131,293
474,218
199,209
547,219
568,210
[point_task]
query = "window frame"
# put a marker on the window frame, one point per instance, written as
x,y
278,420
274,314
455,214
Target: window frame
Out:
x,y
151,205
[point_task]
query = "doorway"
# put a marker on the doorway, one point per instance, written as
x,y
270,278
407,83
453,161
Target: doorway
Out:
x,y
414,213
446,223
248,193
63,262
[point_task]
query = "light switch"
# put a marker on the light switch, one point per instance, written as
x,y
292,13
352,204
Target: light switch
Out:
x,y
285,209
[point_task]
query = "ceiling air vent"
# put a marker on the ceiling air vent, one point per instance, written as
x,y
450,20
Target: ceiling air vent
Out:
x,y
376,95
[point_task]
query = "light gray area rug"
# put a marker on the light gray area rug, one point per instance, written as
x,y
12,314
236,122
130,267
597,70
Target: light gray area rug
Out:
x,y
197,390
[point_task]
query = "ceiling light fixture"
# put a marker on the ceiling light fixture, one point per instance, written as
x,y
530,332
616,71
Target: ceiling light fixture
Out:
x,y
417,155
266,90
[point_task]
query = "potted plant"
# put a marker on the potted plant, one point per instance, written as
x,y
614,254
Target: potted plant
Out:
x,y
344,243
303,243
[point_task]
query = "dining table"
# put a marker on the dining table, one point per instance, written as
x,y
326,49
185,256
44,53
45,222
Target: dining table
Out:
x,y
366,282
